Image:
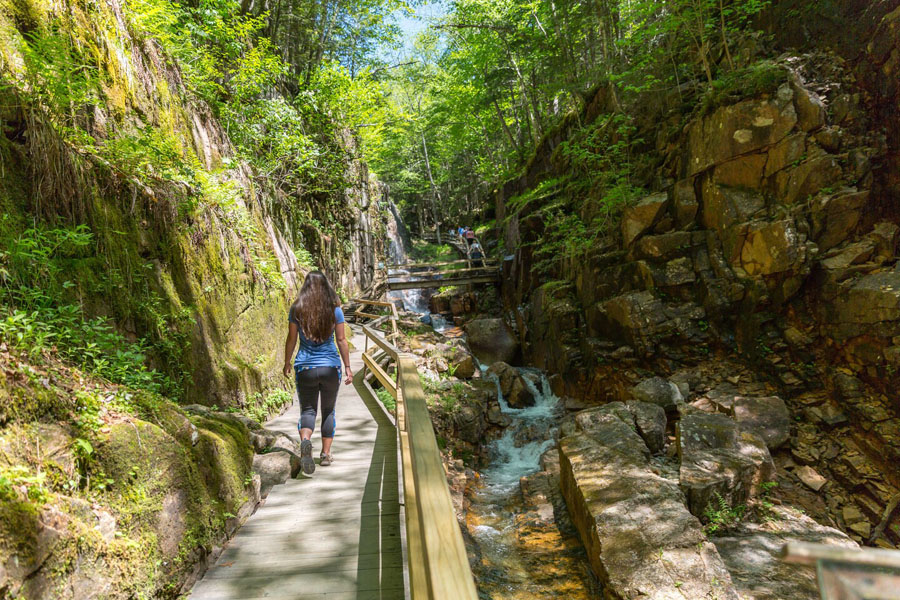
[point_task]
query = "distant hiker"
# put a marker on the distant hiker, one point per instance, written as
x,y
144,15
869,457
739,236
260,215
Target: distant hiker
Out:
x,y
470,236
316,319
476,254
461,232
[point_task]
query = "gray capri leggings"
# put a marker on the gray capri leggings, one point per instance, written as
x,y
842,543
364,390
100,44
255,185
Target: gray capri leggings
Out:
x,y
311,383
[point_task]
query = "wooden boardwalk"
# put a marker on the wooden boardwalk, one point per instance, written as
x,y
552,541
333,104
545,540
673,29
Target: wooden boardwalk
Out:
x,y
335,535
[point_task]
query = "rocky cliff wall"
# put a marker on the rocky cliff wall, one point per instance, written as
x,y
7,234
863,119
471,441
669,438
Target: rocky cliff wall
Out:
x,y
764,265
194,251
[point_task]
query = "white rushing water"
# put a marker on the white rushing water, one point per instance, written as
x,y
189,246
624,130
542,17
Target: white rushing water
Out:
x,y
413,300
531,433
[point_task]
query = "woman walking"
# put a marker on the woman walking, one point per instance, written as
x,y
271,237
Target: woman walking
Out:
x,y
317,320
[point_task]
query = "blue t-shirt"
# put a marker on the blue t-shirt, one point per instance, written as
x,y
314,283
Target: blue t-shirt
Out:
x,y
312,354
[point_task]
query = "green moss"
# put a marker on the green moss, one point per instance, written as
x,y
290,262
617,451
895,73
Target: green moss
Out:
x,y
19,527
759,78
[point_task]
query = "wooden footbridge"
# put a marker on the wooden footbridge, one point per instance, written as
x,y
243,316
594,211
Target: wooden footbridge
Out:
x,y
379,523
440,274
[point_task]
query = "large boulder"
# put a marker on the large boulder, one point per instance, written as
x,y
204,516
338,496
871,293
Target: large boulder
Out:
x,y
659,391
463,365
639,537
766,416
718,460
492,340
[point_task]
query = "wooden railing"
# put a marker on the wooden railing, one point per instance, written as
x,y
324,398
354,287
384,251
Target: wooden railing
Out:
x,y
435,551
849,573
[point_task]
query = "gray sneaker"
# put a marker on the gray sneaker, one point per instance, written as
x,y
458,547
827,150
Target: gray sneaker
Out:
x,y
306,460
325,460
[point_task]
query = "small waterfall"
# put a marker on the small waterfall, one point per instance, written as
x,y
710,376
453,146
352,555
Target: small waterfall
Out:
x,y
398,236
511,539
532,432
398,243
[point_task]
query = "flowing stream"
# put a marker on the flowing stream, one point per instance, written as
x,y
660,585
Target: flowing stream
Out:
x,y
524,552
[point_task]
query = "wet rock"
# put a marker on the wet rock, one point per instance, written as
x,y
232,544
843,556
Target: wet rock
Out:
x,y
640,218
659,391
519,395
492,340
717,459
638,534
751,553
512,385
650,420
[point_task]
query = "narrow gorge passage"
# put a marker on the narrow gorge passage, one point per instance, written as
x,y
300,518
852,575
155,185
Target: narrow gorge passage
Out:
x,y
646,256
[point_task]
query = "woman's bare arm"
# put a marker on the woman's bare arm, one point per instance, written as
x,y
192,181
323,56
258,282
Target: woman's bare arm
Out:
x,y
341,337
289,345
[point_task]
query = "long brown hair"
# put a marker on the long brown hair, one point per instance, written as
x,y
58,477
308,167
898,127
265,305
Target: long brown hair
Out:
x,y
314,308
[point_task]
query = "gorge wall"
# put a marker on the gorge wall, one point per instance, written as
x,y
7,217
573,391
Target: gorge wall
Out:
x,y
761,264
133,238
203,255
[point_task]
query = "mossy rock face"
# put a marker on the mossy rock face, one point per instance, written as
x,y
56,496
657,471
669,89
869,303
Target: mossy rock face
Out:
x,y
130,516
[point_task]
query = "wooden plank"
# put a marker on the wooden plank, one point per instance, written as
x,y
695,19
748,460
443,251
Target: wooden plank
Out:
x,y
380,342
379,321
372,302
415,551
383,377
366,315
454,273
436,283
446,564
438,264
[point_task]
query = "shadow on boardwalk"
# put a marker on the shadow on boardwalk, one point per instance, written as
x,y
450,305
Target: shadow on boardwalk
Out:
x,y
381,530
332,536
